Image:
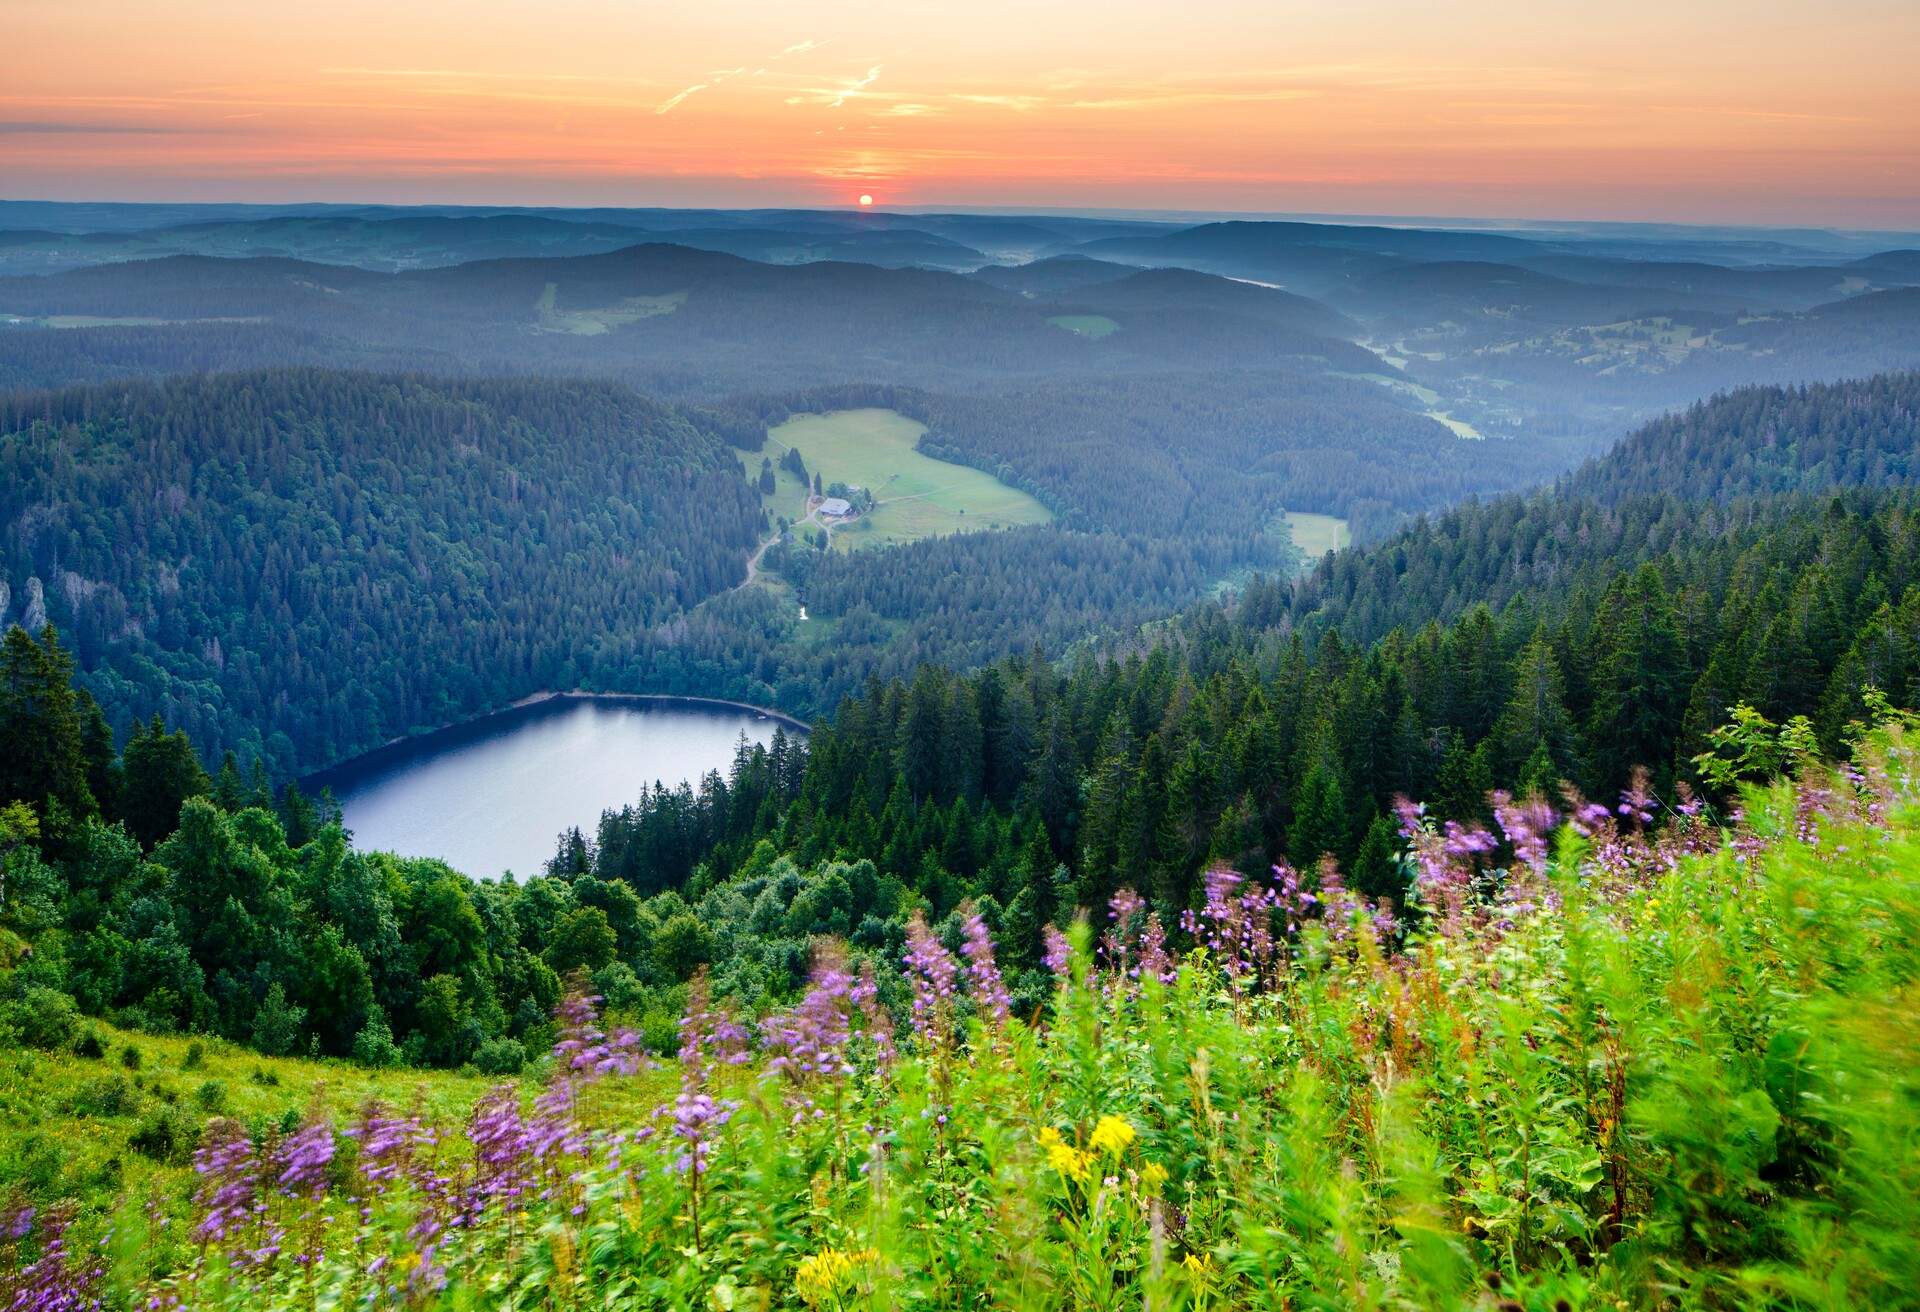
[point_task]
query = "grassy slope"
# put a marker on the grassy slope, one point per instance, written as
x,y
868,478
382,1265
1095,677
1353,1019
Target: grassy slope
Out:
x,y
93,1129
1316,535
1095,326
920,497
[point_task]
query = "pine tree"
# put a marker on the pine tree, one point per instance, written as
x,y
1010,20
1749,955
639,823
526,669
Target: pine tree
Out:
x,y
43,741
161,773
1320,823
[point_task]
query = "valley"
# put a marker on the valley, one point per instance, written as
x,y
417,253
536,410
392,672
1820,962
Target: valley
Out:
x,y
984,801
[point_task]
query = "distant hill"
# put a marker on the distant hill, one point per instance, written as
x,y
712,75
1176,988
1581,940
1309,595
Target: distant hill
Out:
x,y
1312,258
1055,274
672,318
1186,289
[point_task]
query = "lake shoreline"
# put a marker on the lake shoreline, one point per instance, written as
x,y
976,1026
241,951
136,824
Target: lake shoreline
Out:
x,y
670,698
545,696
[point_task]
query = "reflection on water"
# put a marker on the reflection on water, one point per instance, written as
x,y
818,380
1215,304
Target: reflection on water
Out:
x,y
493,795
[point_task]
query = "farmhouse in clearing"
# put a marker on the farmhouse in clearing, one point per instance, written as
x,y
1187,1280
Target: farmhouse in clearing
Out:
x,y
836,507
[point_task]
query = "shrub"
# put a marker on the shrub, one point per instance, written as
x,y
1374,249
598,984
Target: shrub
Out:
x,y
502,1056
108,1095
196,1056
211,1096
374,1045
89,1046
166,1134
43,1017
130,1057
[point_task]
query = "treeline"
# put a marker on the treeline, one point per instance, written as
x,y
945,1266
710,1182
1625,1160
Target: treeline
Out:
x,y
299,564
1762,441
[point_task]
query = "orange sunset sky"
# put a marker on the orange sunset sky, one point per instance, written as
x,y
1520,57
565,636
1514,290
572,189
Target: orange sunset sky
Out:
x,y
1781,112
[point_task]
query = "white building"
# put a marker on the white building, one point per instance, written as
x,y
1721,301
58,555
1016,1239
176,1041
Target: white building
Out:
x,y
836,507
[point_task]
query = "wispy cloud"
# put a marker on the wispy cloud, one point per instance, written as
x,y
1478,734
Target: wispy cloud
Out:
x,y
800,48
672,102
856,86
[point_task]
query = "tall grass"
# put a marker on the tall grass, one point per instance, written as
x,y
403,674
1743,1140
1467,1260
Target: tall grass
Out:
x,y
1679,1071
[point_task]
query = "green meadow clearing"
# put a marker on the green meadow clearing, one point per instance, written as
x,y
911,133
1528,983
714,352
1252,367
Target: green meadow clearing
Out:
x,y
919,497
594,322
1316,535
1095,326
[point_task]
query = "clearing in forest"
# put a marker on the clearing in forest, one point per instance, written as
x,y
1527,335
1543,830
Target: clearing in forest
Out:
x,y
1095,326
1316,535
550,318
917,495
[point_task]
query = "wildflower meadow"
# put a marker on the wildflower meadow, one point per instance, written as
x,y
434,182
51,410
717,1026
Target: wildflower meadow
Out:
x,y
1623,1056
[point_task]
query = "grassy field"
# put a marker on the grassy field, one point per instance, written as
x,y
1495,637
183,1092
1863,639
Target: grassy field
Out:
x,y
592,323
1316,535
919,497
1095,326
96,1129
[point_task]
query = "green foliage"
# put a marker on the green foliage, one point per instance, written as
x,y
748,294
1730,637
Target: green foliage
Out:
x,y
1676,1078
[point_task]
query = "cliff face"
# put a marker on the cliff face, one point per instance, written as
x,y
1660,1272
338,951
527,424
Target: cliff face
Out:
x,y
34,617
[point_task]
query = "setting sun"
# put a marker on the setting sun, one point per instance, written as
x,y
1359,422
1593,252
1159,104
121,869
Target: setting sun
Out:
x,y
866,200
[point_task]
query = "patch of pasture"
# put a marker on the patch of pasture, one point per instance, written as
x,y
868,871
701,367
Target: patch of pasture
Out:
x,y
918,496
1316,535
550,318
1095,326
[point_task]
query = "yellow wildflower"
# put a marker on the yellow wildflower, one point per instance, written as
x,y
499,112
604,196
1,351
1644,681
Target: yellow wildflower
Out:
x,y
830,1273
1198,1263
1153,1177
1112,1135
1063,1157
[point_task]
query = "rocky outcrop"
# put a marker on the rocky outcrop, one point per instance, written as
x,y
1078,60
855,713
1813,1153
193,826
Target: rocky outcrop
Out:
x,y
34,617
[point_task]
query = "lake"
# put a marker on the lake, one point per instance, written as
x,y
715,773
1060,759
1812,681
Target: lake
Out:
x,y
493,794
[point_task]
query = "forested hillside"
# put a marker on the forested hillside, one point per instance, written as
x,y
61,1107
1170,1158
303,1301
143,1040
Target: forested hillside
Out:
x,y
1760,441
1717,470
298,565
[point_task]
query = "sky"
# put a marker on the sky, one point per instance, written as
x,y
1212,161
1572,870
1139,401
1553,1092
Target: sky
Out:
x,y
1766,112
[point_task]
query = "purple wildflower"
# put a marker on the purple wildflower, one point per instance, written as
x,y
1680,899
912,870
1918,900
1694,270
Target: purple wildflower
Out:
x,y
697,1118
501,1148
304,1158
983,973
52,1282
933,973
1526,825
229,1174
710,1035
1057,954
873,1016
811,1039
584,1051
